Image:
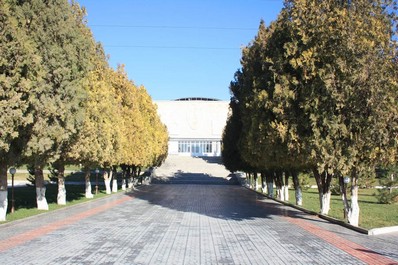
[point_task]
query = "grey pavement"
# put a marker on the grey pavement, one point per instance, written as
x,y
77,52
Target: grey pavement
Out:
x,y
191,214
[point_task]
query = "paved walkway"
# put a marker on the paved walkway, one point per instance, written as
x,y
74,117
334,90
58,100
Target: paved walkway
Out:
x,y
207,221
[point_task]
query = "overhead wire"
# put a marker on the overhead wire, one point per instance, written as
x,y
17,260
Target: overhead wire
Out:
x,y
171,47
167,27
171,27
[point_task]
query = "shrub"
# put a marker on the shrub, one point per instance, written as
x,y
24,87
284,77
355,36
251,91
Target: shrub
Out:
x,y
388,193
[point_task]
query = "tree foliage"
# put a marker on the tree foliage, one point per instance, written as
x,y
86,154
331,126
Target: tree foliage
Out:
x,y
318,90
61,102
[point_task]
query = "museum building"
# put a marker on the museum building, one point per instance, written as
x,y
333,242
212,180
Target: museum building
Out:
x,y
195,125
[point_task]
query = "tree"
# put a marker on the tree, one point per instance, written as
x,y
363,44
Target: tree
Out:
x,y
64,156
94,146
230,152
347,87
316,96
389,183
18,74
55,28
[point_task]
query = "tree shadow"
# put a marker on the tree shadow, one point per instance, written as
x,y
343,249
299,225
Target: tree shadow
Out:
x,y
25,196
195,178
221,201
212,159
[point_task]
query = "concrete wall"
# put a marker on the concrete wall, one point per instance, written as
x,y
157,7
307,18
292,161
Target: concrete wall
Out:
x,y
197,122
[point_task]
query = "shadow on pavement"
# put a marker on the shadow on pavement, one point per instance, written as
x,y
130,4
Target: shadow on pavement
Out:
x,y
229,202
181,177
212,159
201,185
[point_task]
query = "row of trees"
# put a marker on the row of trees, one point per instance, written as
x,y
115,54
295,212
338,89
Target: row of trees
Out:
x,y
60,101
318,91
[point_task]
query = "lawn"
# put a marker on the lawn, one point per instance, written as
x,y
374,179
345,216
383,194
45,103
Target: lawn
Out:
x,y
372,213
25,199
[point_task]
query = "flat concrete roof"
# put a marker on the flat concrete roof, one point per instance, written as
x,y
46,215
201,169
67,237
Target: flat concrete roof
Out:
x,y
194,119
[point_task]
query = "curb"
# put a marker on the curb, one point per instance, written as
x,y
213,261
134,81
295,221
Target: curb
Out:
x,y
382,230
371,232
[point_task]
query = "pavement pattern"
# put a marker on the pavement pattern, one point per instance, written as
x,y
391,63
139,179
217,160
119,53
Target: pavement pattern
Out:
x,y
191,214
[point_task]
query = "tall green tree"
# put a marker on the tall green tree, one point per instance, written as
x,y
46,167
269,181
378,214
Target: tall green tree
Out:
x,y
230,152
55,28
65,149
319,90
345,54
19,73
95,143
153,135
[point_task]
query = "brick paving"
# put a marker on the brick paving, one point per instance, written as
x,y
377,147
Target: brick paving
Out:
x,y
205,221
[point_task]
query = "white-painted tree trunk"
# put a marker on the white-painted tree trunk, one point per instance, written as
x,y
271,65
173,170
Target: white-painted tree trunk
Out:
x,y
3,191
41,198
325,202
270,189
257,184
40,189
107,181
130,183
89,194
263,186
3,204
286,192
114,182
280,193
61,197
114,185
108,189
353,213
124,184
299,196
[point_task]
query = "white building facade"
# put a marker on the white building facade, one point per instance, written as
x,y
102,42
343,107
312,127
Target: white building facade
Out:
x,y
195,125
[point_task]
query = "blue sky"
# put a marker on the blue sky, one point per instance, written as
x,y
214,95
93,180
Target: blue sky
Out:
x,y
178,48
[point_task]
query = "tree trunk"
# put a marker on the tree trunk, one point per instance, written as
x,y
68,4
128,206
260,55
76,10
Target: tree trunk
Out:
x,y
392,184
40,189
89,194
280,193
139,174
3,191
263,182
61,197
343,192
129,178
297,188
353,214
325,206
124,177
323,182
123,184
279,186
134,175
256,186
286,187
269,175
107,181
114,181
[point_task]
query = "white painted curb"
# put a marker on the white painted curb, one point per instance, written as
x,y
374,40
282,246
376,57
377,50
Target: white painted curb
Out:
x,y
382,230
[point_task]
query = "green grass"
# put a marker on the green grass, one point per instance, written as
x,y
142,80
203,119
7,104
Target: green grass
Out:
x,y
25,199
372,213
